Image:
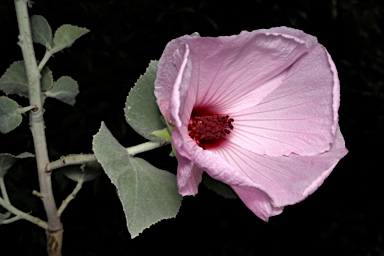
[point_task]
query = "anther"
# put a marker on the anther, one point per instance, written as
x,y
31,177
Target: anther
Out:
x,y
208,131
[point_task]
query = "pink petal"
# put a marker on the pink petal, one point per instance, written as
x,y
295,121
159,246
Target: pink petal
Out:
x,y
189,175
181,105
265,184
258,202
172,81
274,182
193,160
253,69
188,179
299,116
247,62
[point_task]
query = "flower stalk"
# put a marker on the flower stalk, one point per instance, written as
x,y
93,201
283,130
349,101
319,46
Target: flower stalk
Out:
x,y
54,228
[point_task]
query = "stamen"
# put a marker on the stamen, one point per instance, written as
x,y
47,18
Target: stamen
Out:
x,y
209,130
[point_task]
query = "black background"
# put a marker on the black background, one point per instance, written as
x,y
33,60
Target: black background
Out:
x,y
343,217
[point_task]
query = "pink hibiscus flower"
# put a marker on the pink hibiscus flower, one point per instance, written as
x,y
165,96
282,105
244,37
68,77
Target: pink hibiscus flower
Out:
x,y
257,111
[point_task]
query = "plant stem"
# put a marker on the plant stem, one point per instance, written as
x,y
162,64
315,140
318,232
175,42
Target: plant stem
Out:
x,y
54,230
71,160
146,146
45,59
10,220
87,158
70,197
22,215
4,190
25,109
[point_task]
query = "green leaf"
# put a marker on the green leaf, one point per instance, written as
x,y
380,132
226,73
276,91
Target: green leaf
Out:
x,y
64,89
14,80
10,117
147,193
219,187
46,79
89,172
141,110
7,160
66,35
41,31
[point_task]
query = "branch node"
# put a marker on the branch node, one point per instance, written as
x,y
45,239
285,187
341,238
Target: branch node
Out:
x,y
38,194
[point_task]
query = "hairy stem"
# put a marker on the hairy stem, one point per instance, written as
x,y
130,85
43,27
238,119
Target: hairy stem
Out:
x,y
70,197
10,220
6,203
87,158
45,59
4,190
25,109
146,146
71,160
54,230
21,215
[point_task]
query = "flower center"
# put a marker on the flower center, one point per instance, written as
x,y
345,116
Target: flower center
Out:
x,y
208,131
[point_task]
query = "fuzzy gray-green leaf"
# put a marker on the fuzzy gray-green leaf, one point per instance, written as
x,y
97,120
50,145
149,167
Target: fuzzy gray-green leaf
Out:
x,y
141,110
14,80
147,193
64,89
10,118
41,31
66,35
46,79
